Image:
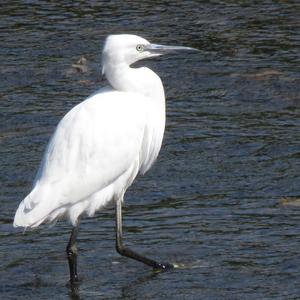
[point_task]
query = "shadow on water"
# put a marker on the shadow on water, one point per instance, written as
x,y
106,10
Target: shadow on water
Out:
x,y
126,291
221,201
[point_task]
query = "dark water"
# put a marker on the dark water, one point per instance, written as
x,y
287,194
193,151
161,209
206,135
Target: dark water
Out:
x,y
214,200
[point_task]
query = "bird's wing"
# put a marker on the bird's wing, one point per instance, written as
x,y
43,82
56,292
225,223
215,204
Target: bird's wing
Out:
x,y
94,144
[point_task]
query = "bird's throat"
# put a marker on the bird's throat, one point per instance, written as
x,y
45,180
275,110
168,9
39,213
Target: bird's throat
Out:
x,y
136,80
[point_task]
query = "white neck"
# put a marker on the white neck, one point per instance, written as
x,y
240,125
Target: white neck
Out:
x,y
137,80
145,82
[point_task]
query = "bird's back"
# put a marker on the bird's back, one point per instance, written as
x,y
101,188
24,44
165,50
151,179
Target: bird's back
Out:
x,y
99,146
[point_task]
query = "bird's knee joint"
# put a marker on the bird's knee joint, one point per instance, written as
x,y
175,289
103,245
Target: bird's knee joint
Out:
x,y
71,251
120,249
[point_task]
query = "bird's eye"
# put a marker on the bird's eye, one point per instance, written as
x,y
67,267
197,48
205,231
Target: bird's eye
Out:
x,y
140,48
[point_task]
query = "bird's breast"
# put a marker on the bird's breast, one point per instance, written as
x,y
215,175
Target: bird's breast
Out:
x,y
153,136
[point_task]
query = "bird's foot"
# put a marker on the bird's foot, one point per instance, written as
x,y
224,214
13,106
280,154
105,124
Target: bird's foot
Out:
x,y
74,282
74,286
163,267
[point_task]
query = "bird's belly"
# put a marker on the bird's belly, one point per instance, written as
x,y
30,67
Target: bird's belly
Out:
x,y
103,197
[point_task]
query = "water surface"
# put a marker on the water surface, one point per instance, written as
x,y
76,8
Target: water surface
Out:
x,y
213,201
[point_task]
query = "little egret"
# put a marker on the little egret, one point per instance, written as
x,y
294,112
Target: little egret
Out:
x,y
99,146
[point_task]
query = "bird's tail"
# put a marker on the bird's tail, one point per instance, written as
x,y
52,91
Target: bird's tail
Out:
x,y
34,209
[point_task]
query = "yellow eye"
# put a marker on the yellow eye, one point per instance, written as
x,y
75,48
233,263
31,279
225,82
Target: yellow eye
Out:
x,y
140,48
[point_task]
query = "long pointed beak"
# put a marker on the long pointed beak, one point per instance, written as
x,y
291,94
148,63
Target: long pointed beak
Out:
x,y
162,49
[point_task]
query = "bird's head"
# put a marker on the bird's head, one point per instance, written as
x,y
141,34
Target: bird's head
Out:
x,y
128,49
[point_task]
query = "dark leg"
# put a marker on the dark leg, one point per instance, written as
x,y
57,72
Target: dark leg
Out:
x,y
72,254
129,253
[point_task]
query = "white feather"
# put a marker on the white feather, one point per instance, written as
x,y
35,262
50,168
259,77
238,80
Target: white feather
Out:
x,y
99,147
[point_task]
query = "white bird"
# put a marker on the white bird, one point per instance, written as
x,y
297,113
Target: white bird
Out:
x,y
100,146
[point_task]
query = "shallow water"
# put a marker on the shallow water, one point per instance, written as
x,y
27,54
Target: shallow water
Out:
x,y
213,202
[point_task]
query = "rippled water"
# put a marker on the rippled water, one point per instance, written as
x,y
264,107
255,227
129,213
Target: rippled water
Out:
x,y
214,201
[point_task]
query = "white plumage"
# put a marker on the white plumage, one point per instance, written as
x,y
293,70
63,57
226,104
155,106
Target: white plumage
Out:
x,y
99,147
